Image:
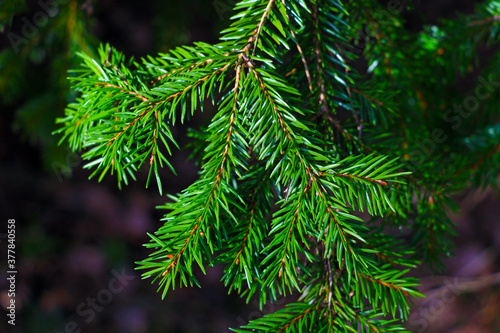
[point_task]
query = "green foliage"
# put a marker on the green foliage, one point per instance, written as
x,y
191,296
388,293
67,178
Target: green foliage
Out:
x,y
301,143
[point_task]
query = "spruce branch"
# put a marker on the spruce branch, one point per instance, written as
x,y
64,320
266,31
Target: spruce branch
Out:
x,y
288,161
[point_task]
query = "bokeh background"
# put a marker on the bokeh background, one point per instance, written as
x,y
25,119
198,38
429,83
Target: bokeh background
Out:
x,y
75,235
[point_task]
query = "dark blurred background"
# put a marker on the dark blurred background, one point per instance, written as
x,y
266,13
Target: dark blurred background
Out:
x,y
74,236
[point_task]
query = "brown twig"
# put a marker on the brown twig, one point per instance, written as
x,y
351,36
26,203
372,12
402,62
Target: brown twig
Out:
x,y
261,23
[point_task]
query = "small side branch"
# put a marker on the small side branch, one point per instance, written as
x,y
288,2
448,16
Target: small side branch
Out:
x,y
261,24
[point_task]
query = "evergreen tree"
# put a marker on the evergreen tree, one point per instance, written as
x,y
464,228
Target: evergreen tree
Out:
x,y
324,110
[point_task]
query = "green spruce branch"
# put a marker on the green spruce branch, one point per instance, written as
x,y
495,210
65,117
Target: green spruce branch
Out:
x,y
301,142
